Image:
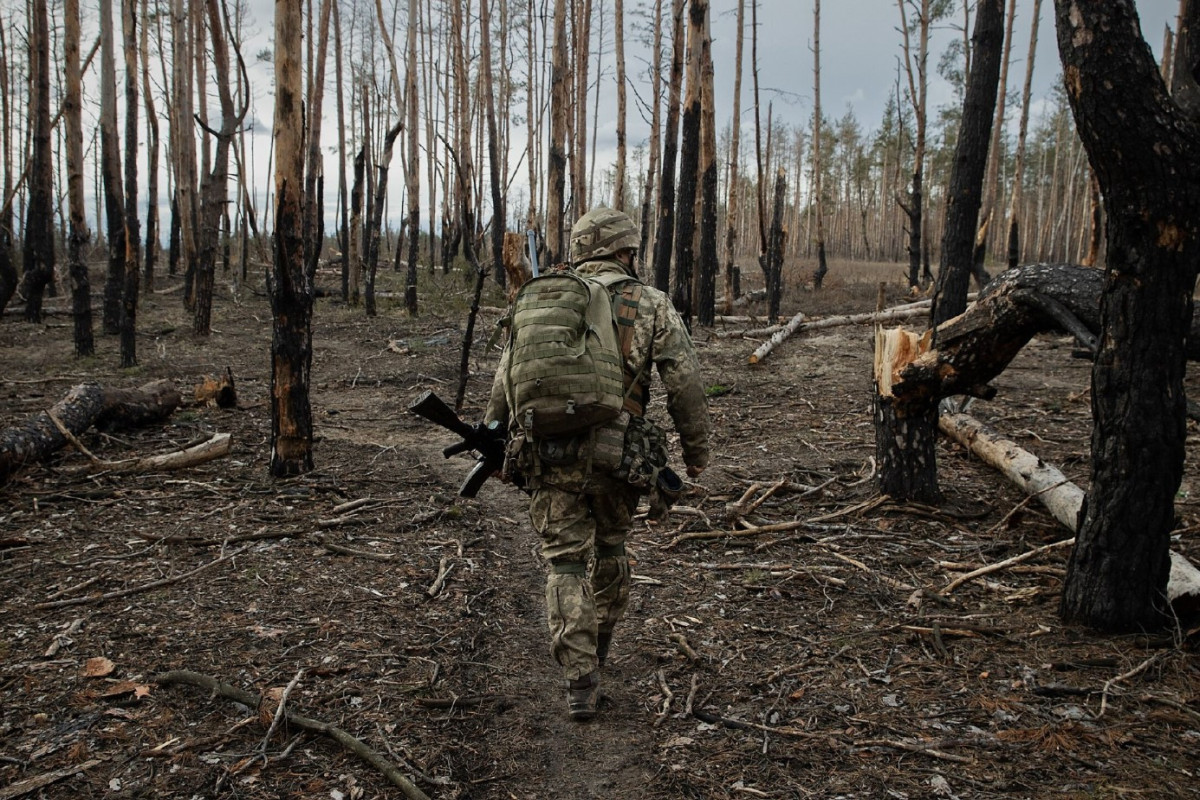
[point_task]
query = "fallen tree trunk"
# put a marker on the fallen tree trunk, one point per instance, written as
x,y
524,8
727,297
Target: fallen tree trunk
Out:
x,y
217,446
85,405
779,336
1062,498
894,314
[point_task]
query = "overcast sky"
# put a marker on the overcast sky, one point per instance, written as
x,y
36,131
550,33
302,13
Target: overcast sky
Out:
x,y
860,54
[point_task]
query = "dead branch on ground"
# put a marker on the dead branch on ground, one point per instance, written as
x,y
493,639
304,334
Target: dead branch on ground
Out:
x,y
340,736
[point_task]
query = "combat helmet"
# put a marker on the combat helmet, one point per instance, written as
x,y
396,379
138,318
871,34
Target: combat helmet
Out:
x,y
600,233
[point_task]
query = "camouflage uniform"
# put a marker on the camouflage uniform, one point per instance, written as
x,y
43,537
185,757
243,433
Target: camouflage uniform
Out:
x,y
584,515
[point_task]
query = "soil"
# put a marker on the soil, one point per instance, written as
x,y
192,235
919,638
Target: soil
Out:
x,y
815,661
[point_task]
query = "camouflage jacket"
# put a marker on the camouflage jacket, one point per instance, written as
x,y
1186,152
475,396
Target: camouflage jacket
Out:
x,y
659,339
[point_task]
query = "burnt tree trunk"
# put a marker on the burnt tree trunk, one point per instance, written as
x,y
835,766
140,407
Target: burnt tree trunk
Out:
x,y
39,222
556,179
665,230
131,279
1145,151
689,167
498,208
376,222
970,163
775,243
905,434
81,299
354,244
290,284
708,258
8,271
817,167
413,179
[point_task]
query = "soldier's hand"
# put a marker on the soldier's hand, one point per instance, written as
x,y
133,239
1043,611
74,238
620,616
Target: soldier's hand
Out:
x,y
694,472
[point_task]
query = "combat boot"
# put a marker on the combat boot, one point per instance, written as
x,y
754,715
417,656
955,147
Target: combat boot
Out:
x,y
583,695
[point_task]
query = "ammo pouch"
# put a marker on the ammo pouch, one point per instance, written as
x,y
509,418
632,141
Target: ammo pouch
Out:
x,y
644,455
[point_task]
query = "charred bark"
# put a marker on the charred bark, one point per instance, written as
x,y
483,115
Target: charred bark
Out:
x,y
39,222
775,243
84,406
81,299
970,163
689,167
376,224
1145,151
665,230
290,284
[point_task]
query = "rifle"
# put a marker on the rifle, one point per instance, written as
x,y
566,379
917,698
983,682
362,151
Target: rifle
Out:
x,y
487,440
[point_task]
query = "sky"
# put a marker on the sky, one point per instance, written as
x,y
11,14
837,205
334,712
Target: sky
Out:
x,y
860,54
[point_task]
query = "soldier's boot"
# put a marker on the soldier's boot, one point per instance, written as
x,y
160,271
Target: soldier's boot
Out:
x,y
583,695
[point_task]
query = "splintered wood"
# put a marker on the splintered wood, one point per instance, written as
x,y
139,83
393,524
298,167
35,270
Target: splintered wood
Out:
x,y
895,349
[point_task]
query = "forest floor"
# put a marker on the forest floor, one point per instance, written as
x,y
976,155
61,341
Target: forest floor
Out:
x,y
814,661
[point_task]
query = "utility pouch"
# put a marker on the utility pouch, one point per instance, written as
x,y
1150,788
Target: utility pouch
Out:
x,y
644,456
558,452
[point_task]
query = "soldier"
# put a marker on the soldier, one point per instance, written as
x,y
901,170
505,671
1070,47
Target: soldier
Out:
x,y
583,512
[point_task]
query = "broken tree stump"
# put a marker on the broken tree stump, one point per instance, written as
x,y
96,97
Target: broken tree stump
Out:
x,y
85,405
905,434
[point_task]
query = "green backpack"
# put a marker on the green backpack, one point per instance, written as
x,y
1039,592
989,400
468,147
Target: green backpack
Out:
x,y
565,370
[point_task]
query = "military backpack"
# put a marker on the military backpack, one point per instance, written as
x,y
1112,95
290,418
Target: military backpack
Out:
x,y
566,369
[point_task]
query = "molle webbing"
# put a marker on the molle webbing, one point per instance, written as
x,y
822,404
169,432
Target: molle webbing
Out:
x,y
626,302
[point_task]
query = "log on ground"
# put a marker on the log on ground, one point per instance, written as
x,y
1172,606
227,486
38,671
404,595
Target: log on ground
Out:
x,y
83,406
1062,498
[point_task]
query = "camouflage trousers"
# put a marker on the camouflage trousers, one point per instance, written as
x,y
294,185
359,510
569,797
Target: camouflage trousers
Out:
x,y
587,587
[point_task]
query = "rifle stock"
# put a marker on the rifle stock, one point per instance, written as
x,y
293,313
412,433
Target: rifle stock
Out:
x,y
485,440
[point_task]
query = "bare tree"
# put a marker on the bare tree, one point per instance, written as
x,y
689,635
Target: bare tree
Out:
x,y
582,19
818,171
183,156
8,271
314,170
708,258
619,44
133,270
735,157
72,112
556,175
1014,205
760,174
991,179
970,162
689,167
915,67
152,147
665,232
290,281
343,232
214,189
110,168
648,193
413,179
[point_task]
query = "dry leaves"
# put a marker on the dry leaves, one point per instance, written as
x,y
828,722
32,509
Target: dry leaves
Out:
x,y
98,667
